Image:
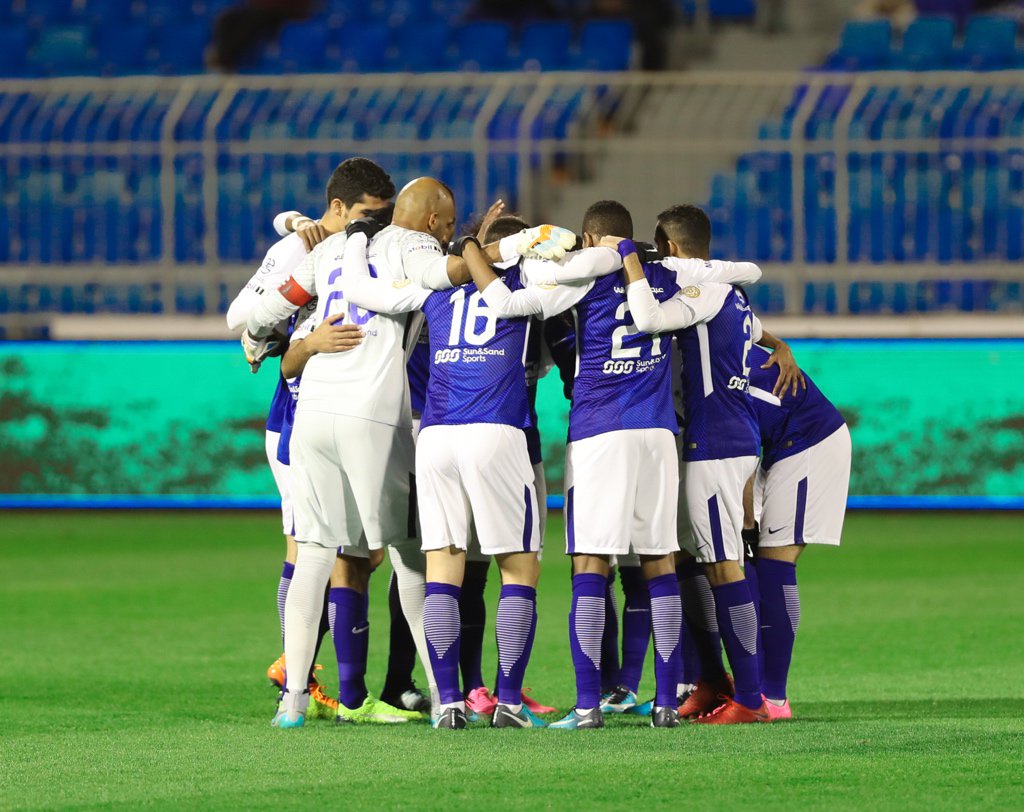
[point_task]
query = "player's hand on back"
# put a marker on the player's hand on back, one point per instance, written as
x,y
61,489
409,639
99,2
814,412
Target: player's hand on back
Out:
x,y
790,376
311,233
370,226
546,242
331,336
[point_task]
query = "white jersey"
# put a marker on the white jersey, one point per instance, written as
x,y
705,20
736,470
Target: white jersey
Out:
x,y
280,262
368,382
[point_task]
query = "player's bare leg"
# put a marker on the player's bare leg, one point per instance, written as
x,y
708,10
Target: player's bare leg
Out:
x,y
515,625
442,624
666,618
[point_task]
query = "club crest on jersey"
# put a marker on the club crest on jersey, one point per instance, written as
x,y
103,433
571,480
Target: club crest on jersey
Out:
x,y
691,291
401,283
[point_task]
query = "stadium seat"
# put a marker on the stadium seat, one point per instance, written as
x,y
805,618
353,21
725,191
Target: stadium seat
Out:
x,y
181,47
364,46
959,10
41,12
100,12
303,47
63,51
164,12
421,47
605,45
483,46
864,45
732,9
14,41
544,46
927,44
989,43
122,50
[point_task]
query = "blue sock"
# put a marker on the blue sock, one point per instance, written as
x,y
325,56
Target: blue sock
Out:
x,y
586,627
750,574
283,583
610,640
350,628
636,626
666,615
441,624
738,622
515,625
780,616
702,621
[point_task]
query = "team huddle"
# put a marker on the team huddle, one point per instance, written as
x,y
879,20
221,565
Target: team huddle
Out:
x,y
698,464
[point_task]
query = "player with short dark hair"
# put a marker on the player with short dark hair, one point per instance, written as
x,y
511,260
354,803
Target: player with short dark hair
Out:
x,y
720,444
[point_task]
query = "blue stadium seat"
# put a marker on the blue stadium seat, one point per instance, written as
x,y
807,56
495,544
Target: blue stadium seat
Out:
x,y
544,46
421,47
14,41
63,51
122,49
42,12
483,46
364,46
181,47
164,12
605,45
98,12
989,43
863,45
732,9
959,10
303,47
927,44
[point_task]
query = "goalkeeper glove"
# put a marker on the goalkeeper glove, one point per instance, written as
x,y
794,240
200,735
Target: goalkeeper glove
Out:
x,y
546,242
257,350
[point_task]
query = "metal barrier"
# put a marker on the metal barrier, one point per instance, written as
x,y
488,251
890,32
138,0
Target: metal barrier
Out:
x,y
171,182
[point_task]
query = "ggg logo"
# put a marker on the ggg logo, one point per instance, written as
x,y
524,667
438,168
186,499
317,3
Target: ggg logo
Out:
x,y
737,382
447,356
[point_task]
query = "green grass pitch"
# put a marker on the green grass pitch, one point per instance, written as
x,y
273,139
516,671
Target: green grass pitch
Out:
x,y
134,648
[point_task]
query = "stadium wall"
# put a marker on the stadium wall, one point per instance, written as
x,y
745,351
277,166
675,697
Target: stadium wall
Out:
x,y
936,423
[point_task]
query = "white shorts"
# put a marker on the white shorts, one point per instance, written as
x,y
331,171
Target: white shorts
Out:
x,y
477,474
714,497
802,499
351,482
621,492
282,478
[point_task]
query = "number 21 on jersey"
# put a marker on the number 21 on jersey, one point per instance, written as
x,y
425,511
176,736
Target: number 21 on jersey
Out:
x,y
623,359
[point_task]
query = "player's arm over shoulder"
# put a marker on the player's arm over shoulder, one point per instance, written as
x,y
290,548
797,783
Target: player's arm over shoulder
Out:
x,y
281,259
278,303
692,305
380,295
702,271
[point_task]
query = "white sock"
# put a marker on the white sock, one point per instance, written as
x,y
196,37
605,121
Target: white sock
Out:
x,y
777,702
410,566
514,708
303,608
459,705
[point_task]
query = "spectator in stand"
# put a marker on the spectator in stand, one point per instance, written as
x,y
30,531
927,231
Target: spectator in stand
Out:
x,y
652,20
515,11
241,31
898,12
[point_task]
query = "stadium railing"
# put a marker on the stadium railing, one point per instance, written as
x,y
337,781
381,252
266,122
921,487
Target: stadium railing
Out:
x,y
154,194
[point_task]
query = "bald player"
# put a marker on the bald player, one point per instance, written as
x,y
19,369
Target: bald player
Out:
x,y
352,439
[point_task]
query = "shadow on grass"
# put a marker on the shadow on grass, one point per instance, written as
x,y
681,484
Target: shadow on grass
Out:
x,y
958,708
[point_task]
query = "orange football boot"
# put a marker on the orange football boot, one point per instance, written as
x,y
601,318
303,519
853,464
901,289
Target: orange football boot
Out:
x,y
733,713
706,697
276,672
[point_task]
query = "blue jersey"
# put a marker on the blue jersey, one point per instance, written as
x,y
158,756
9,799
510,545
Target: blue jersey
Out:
x,y
623,377
719,419
278,405
477,370
288,421
793,423
418,368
